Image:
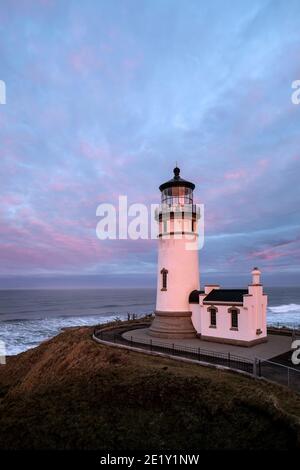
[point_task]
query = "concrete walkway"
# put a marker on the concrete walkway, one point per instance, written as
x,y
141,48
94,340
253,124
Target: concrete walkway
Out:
x,y
276,345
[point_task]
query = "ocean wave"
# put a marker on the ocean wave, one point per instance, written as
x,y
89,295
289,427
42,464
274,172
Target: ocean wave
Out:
x,y
288,308
19,336
18,320
284,315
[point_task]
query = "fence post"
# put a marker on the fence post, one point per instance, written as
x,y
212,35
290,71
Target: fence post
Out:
x,y
150,344
173,347
255,367
114,337
259,368
131,341
229,359
288,376
199,354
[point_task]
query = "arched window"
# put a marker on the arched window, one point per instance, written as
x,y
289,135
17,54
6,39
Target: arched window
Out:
x,y
164,279
213,316
234,312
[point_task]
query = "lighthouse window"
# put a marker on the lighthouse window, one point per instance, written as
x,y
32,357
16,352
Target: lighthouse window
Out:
x,y
234,319
177,195
164,275
165,226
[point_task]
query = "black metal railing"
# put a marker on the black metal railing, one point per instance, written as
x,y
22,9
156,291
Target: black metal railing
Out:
x,y
279,373
260,368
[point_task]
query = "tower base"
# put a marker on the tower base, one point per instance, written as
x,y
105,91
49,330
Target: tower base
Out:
x,y
172,325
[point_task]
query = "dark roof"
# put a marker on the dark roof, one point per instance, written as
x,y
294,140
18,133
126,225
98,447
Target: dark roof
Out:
x,y
226,295
194,296
176,181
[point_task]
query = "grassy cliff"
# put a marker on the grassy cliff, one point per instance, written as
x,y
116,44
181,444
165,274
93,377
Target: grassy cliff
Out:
x,y
71,393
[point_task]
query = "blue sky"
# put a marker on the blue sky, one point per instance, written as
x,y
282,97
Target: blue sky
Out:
x,y
103,97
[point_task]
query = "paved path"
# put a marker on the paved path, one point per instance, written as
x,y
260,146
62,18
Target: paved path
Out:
x,y
276,345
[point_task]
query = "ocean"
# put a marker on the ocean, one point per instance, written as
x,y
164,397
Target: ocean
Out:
x,y
28,317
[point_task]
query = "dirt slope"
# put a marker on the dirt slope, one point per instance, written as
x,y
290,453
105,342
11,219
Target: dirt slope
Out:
x,y
71,393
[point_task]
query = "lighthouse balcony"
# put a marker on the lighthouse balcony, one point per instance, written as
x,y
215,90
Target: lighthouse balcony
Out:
x,y
181,211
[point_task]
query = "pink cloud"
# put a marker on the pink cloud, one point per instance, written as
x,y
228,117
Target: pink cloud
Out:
x,y
11,199
268,254
85,59
92,152
235,174
276,252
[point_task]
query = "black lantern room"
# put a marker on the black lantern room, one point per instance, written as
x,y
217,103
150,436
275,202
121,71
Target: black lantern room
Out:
x,y
177,191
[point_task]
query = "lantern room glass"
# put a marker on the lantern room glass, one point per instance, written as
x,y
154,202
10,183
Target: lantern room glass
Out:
x,y
177,195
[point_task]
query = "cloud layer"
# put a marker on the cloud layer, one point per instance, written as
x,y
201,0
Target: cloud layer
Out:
x,y
104,97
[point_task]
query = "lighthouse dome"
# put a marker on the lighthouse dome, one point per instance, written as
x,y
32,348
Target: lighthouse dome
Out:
x,y
177,181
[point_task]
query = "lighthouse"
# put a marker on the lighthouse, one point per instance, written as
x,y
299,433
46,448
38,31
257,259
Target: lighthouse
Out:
x,y
178,264
229,316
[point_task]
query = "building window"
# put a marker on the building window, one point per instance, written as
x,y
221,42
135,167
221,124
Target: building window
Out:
x,y
164,279
213,317
234,318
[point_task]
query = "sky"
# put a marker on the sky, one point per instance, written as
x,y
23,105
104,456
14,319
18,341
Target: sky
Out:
x,y
103,97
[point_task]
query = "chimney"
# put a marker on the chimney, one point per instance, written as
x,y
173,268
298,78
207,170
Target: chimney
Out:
x,y
256,277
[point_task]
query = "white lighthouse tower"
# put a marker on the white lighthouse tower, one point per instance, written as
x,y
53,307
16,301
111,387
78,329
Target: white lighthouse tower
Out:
x,y
178,266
